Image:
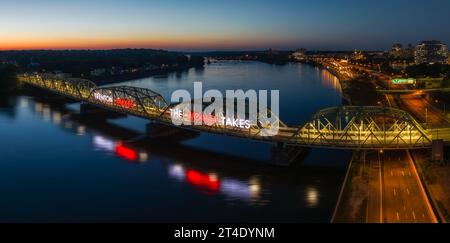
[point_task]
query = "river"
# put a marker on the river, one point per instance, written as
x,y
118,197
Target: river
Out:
x,y
58,166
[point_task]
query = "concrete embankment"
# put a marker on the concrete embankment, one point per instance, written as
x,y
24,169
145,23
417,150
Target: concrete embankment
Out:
x,y
352,202
342,81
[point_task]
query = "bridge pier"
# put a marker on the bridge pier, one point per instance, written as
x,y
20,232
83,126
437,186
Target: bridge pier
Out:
x,y
285,155
57,99
91,110
155,130
438,150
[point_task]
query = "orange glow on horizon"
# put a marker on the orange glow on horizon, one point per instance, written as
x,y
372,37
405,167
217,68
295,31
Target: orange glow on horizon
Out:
x,y
163,42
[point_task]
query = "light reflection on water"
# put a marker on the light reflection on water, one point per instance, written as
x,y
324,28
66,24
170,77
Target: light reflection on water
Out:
x,y
210,182
312,197
331,81
154,176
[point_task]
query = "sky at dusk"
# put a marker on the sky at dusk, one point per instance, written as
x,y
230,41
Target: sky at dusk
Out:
x,y
193,25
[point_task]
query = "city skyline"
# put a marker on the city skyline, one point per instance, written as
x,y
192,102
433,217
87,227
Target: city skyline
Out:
x,y
225,25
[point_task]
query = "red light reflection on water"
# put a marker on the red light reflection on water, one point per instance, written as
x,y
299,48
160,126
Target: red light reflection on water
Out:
x,y
126,153
201,180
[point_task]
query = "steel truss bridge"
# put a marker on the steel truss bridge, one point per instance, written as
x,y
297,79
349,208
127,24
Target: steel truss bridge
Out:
x,y
346,127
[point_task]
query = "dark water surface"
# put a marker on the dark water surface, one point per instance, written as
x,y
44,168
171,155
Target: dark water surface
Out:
x,y
58,166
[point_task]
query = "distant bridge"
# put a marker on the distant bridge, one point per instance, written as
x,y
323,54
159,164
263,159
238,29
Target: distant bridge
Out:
x,y
346,127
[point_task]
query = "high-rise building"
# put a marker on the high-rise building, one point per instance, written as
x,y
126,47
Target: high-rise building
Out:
x,y
430,52
396,50
408,53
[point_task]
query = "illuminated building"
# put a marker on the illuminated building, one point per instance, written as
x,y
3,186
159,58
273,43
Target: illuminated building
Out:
x,y
299,55
430,52
358,55
399,65
398,52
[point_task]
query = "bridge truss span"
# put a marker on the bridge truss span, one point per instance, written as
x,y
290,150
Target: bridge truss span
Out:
x,y
362,127
75,88
139,101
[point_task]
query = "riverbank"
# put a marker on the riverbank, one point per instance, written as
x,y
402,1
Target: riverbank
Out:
x,y
342,79
359,90
8,82
347,100
103,80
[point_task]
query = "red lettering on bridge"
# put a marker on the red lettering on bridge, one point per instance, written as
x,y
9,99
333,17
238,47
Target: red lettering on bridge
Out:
x,y
205,119
125,103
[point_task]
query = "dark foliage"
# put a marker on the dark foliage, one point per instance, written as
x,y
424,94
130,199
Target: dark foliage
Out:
x,y
83,61
427,70
7,79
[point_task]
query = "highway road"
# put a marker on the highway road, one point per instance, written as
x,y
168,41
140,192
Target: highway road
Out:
x,y
396,194
395,191
424,111
416,105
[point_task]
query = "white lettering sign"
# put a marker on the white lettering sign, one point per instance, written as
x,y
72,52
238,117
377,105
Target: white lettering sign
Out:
x,y
103,98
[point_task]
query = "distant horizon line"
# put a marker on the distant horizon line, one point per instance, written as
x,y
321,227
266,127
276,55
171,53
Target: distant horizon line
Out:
x,y
191,51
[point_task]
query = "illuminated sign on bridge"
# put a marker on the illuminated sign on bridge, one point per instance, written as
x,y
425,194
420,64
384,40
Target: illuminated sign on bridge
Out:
x,y
211,120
